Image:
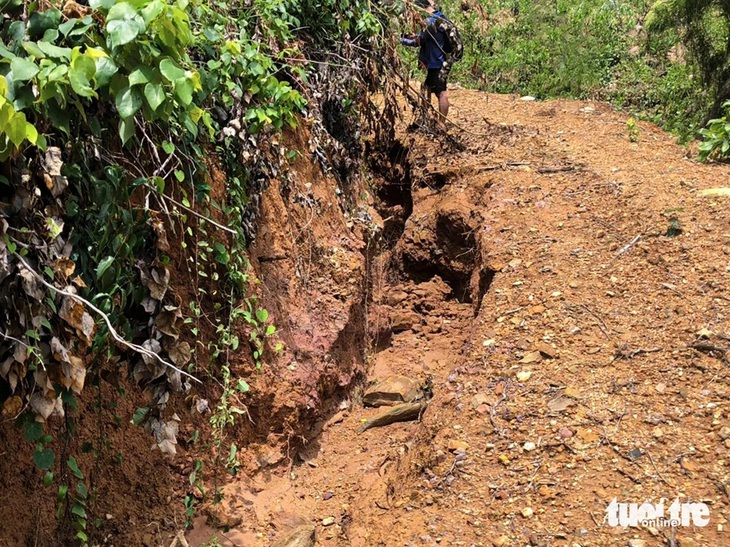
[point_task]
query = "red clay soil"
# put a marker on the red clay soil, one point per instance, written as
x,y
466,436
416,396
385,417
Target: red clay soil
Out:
x,y
567,290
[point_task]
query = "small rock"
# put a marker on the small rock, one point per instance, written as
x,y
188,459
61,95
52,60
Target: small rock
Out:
x,y
531,357
454,445
391,391
724,433
686,542
301,536
660,388
328,496
524,375
546,349
657,432
637,543
501,541
329,521
529,446
565,433
527,512
482,409
527,98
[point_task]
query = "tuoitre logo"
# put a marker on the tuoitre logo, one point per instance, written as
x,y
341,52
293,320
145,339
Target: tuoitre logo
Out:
x,y
653,514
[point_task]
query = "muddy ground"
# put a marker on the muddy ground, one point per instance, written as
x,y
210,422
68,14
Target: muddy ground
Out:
x,y
565,284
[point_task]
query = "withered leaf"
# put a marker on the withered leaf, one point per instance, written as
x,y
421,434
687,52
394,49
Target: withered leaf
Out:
x,y
156,280
12,406
72,366
166,319
52,163
30,284
44,407
63,267
180,354
74,314
149,305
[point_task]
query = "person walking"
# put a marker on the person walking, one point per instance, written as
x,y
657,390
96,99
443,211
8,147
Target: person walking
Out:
x,y
432,55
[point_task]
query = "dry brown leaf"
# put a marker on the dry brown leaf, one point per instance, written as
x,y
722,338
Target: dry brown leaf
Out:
x,y
12,406
156,280
63,267
166,319
180,354
75,315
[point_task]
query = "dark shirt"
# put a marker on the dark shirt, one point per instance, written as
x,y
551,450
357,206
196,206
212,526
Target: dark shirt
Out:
x,y
431,40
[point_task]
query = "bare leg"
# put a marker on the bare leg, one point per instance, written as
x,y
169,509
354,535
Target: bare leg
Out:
x,y
444,103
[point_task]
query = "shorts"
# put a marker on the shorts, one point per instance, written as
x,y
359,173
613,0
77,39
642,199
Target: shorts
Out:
x,y
436,81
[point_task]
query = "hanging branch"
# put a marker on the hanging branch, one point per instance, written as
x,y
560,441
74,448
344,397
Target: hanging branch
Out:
x,y
105,317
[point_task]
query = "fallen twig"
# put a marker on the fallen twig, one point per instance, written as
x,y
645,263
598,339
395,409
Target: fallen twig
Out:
x,y
627,246
665,481
180,539
105,317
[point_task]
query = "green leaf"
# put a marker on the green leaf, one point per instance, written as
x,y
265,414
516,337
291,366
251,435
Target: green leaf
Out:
x,y
184,90
170,70
55,51
168,147
152,10
80,83
81,489
242,386
137,77
179,175
41,21
128,102
32,49
62,492
126,129
104,5
159,184
155,95
48,479
31,133
105,69
32,431
74,467
65,28
23,69
79,510
122,32
270,329
262,315
139,415
104,266
44,458
15,128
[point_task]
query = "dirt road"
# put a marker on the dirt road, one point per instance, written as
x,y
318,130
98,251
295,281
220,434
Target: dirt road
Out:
x,y
566,285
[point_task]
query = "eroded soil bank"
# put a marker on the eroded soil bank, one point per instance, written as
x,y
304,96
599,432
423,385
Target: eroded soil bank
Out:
x,y
567,291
